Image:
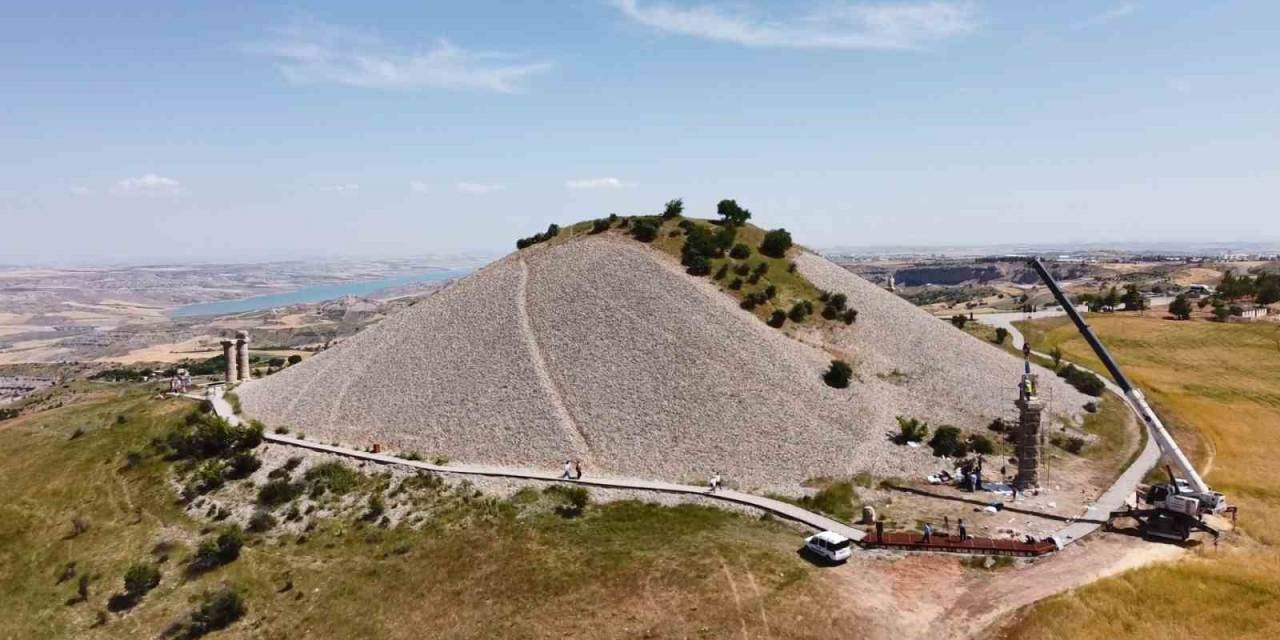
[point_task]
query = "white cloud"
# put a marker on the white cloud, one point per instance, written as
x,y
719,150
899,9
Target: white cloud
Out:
x,y
313,53
417,186
836,25
80,191
599,183
1180,85
479,188
1112,14
148,185
348,187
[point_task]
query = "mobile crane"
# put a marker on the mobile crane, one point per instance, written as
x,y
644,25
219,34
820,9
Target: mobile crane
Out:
x,y
1172,510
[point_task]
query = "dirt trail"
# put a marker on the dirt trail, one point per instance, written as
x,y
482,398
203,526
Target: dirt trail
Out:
x,y
933,596
582,448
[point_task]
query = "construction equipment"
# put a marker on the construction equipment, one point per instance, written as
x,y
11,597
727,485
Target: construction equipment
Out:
x,y
1173,510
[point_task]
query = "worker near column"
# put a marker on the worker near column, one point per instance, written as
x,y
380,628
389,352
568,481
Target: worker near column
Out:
x,y
964,533
928,533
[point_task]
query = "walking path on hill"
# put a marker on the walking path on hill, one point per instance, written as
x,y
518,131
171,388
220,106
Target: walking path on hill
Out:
x,y
582,448
776,507
1093,518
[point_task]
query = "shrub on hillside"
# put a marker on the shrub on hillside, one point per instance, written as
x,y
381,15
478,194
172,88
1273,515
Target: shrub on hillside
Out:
x,y
979,443
241,464
742,268
722,271
836,500
754,278
850,316
600,225
838,375
776,243
645,229
722,239
573,500
697,243
740,252
206,435
798,312
261,521
911,430
959,320
140,579
217,551
209,476
217,610
948,441
673,209
1002,334
777,319
736,284
279,491
698,266
1084,381
294,359
770,292
332,476
551,232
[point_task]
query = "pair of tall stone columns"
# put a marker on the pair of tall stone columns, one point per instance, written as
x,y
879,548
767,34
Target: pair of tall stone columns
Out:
x,y
236,353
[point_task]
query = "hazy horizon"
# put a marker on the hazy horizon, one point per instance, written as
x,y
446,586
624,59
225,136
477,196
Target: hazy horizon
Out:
x,y
163,133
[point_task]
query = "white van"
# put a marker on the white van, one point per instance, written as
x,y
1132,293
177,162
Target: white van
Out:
x,y
830,545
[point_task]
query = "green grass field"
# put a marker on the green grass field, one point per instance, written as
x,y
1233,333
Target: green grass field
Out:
x,y
483,568
1222,382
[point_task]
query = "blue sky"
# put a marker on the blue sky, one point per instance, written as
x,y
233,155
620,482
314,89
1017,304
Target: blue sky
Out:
x,y
150,131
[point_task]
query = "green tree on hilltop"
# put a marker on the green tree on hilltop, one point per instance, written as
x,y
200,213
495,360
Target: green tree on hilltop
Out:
x,y
731,213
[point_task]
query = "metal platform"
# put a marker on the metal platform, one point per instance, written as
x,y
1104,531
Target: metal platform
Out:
x,y
942,542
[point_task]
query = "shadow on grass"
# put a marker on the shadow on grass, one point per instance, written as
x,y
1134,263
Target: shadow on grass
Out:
x,y
815,559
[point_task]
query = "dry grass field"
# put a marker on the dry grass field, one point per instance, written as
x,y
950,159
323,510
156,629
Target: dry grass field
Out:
x,y
1223,380
490,568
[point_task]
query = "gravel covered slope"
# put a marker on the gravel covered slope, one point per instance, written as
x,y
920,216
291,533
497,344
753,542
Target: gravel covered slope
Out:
x,y
950,375
616,356
450,375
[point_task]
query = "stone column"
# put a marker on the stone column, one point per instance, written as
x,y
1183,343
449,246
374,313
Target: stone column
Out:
x,y
1029,413
229,352
242,355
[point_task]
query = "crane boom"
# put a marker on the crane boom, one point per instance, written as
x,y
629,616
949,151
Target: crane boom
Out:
x,y
1211,501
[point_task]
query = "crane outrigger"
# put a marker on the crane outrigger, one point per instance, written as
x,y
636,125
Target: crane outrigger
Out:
x,y
1173,510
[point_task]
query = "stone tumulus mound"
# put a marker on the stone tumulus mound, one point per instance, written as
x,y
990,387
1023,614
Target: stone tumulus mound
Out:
x,y
603,349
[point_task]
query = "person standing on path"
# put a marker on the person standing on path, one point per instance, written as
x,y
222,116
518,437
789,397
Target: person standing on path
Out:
x,y
964,533
880,531
928,533
568,471
715,482
1015,493
577,469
